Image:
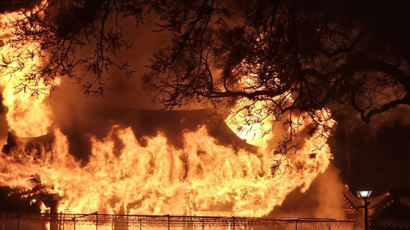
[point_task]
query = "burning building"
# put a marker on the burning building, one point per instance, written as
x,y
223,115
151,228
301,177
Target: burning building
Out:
x,y
126,168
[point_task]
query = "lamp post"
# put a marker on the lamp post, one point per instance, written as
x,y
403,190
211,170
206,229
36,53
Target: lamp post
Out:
x,y
365,194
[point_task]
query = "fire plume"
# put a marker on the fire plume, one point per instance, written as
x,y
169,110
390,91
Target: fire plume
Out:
x,y
25,96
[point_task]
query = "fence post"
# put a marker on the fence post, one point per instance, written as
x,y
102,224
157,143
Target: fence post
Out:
x,y
140,223
233,222
18,220
96,220
168,222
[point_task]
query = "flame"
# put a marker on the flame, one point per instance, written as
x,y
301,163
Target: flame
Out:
x,y
201,178
29,114
250,121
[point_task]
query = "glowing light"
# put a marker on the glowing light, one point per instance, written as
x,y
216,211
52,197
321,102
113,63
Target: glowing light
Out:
x,y
364,193
28,113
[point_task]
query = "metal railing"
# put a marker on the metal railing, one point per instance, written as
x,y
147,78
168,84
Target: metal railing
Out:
x,y
68,221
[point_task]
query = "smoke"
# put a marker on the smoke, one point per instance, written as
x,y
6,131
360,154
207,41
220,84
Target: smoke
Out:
x,y
329,194
79,115
120,91
324,199
127,104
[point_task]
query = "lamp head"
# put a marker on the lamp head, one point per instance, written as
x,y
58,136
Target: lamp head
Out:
x,y
364,193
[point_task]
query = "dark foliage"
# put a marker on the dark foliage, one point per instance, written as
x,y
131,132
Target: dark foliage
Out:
x,y
320,53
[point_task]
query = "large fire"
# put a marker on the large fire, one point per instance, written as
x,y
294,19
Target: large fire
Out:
x,y
28,114
202,178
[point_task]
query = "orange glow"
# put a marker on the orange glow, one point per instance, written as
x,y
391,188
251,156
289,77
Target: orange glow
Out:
x,y
202,178
250,121
28,113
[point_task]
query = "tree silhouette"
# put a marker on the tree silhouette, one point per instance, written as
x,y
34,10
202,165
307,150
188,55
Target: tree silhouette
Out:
x,y
307,54
76,38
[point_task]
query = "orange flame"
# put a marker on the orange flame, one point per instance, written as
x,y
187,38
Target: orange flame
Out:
x,y
29,114
201,178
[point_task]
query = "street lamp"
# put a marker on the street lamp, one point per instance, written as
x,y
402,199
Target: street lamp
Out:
x,y
365,194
